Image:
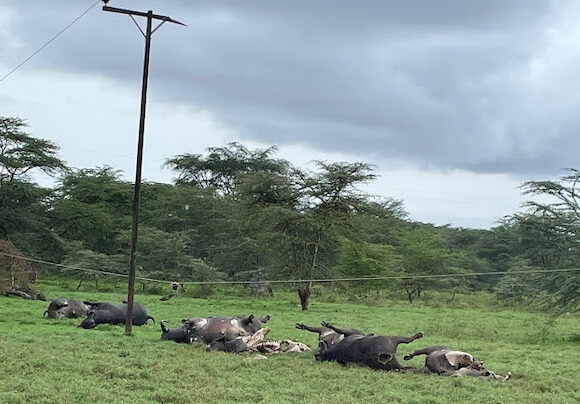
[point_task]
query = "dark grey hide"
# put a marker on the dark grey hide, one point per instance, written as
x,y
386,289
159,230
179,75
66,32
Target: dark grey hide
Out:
x,y
224,344
63,307
377,352
180,335
225,329
108,313
445,361
327,337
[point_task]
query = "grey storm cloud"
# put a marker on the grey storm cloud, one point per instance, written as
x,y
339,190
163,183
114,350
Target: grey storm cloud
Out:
x,y
482,86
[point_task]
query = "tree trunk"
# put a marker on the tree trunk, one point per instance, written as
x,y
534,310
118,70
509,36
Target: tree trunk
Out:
x,y
452,298
304,294
409,294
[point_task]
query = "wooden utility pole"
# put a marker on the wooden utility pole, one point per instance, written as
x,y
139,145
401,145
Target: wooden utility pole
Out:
x,y
137,191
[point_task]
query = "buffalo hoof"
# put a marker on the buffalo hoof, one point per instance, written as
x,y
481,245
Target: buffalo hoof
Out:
x,y
408,357
300,326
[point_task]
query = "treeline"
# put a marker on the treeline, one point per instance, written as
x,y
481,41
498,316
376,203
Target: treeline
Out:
x,y
240,214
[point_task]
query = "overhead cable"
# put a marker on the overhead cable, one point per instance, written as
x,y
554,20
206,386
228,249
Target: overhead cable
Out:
x,y
322,280
49,41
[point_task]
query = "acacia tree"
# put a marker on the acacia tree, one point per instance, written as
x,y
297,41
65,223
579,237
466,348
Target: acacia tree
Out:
x,y
92,206
303,215
423,254
565,191
228,239
223,167
548,237
23,204
20,153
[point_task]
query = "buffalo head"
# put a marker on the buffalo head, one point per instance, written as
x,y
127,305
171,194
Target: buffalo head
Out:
x,y
89,322
253,324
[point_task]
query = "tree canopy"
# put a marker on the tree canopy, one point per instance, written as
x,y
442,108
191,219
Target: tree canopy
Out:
x,y
236,213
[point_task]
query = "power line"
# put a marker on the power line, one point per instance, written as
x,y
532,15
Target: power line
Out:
x,y
49,41
353,279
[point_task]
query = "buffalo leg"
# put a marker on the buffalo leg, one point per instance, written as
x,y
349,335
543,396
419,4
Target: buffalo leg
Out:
x,y
406,340
318,330
345,331
425,351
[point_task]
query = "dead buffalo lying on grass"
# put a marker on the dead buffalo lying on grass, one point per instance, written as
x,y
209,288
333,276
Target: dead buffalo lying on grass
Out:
x,y
445,361
69,308
213,328
180,335
108,313
222,331
256,343
349,345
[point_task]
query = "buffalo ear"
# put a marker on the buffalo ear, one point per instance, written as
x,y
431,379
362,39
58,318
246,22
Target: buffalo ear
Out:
x,y
183,320
266,319
248,319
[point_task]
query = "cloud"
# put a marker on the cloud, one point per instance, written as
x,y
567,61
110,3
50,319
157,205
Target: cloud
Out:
x,y
442,87
453,85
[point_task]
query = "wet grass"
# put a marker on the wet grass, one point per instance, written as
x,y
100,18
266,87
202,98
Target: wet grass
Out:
x,y
50,361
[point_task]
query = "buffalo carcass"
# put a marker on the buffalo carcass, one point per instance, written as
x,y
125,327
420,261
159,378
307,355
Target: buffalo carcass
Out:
x,y
108,313
224,342
350,345
224,329
256,343
69,308
445,361
327,337
180,335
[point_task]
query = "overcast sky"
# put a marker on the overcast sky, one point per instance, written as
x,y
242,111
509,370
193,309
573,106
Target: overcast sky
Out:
x,y
456,103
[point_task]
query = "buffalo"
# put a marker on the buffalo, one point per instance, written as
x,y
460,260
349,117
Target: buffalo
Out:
x,y
108,313
180,335
349,345
445,361
225,344
256,343
69,308
225,329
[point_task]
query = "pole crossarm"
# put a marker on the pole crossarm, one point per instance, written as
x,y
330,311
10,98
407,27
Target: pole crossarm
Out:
x,y
163,18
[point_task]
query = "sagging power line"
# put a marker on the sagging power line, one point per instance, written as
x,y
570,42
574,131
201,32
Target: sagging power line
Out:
x,y
49,41
321,280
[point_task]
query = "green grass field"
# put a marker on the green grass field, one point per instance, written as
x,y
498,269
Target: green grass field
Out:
x,y
53,361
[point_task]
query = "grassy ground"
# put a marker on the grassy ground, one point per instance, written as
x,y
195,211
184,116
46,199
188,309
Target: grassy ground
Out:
x,y
51,361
